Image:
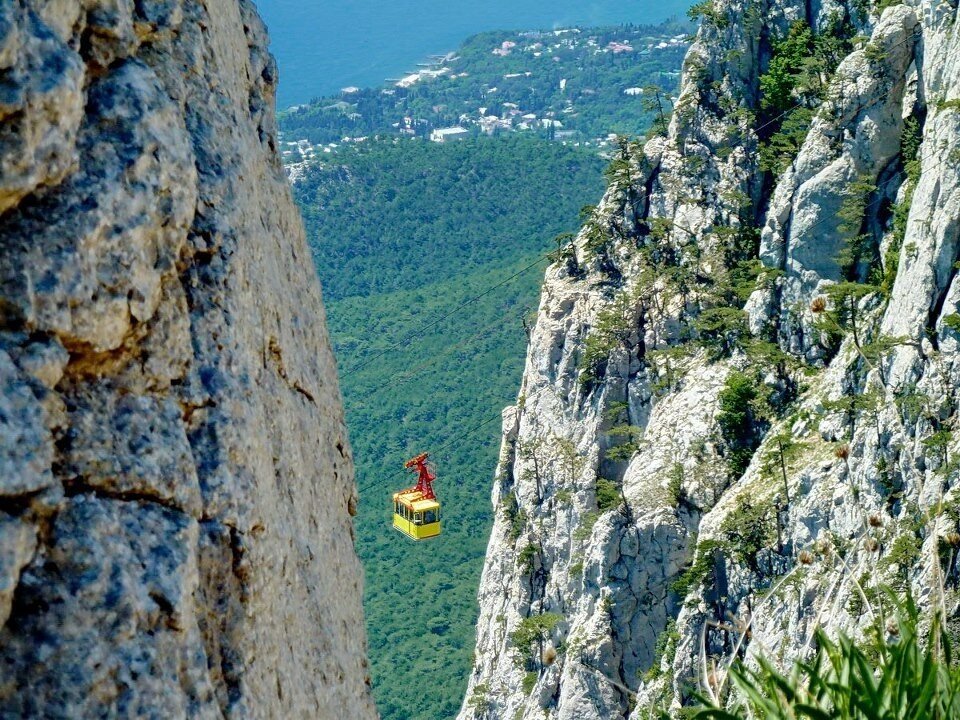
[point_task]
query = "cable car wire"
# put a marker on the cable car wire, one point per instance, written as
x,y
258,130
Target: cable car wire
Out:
x,y
417,371
406,376
410,335
435,322
423,328
878,201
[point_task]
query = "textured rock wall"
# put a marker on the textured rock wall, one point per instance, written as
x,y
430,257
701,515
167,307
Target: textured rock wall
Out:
x,y
861,496
175,481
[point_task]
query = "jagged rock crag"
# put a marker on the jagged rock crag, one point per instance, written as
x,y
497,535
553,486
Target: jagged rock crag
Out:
x,y
175,482
628,562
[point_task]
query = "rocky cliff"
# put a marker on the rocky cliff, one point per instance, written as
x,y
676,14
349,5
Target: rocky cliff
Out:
x,y
737,419
176,487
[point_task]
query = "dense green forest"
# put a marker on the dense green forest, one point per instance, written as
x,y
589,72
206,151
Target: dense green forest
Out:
x,y
405,232
577,78
396,214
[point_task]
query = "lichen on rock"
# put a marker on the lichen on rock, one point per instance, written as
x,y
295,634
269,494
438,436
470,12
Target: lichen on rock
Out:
x,y
728,423
175,531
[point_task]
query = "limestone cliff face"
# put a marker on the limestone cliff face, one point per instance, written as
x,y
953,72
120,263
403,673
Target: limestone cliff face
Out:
x,y
628,561
175,482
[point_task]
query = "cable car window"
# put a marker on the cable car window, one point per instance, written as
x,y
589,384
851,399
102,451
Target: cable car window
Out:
x,y
418,518
429,516
396,508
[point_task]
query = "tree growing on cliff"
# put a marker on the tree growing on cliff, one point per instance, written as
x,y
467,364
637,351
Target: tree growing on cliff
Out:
x,y
738,421
531,634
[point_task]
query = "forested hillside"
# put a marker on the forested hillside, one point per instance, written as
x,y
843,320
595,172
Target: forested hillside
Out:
x,y
404,233
402,214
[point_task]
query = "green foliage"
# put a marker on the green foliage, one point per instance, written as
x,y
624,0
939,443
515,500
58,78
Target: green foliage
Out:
x,y
586,526
910,142
738,420
655,102
529,681
699,570
614,325
608,495
530,635
705,10
874,53
628,437
525,558
665,648
842,316
952,321
906,678
884,4
857,252
675,484
788,69
779,150
576,569
795,82
902,556
384,216
750,528
721,330
480,698
516,516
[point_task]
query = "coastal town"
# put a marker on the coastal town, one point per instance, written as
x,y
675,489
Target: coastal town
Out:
x,y
554,83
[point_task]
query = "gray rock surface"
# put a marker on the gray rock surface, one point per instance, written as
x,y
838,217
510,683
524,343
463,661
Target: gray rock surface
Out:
x,y
832,500
175,479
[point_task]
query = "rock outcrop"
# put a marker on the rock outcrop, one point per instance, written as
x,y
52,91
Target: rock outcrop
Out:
x,y
682,483
176,484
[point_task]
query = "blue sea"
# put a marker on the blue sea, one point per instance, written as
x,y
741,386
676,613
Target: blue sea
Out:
x,y
325,45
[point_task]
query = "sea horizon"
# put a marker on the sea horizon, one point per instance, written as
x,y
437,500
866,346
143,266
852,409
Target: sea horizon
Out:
x,y
322,48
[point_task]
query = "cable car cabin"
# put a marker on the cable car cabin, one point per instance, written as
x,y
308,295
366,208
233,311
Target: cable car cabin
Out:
x,y
416,510
414,516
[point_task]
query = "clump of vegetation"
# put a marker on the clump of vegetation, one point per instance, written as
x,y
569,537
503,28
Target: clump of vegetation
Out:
x,y
675,479
624,436
576,569
706,11
801,66
665,648
529,681
480,699
740,421
905,678
910,152
526,557
586,527
613,328
749,529
531,634
655,101
608,495
842,316
515,515
859,255
699,570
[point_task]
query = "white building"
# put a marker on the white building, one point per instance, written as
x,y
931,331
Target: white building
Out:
x,y
441,135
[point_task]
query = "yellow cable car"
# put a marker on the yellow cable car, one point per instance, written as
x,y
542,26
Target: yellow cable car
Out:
x,y
416,510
